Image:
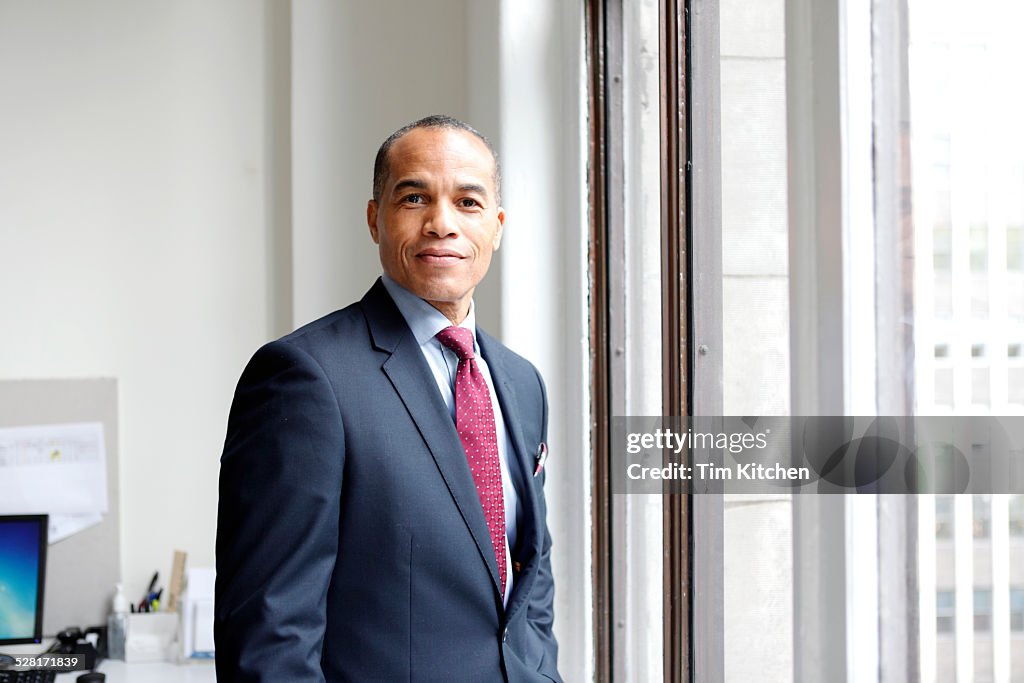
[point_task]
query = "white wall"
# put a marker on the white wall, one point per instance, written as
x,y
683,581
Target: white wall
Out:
x,y
132,234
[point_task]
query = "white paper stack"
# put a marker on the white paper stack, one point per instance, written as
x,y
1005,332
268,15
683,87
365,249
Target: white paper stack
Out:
x,y
197,613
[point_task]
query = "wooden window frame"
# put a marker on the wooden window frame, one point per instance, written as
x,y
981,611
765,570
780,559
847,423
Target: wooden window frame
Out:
x,y
603,24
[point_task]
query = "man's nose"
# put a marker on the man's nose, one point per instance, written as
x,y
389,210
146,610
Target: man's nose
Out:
x,y
442,221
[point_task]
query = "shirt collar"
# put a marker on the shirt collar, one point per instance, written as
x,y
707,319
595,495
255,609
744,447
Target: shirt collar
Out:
x,y
424,320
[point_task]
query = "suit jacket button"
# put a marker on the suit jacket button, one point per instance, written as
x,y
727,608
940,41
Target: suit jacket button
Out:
x,y
504,635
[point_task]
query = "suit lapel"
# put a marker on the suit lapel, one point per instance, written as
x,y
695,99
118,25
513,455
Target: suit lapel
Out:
x,y
408,372
494,354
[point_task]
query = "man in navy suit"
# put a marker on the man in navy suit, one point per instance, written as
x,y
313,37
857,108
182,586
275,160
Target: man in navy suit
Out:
x,y
382,513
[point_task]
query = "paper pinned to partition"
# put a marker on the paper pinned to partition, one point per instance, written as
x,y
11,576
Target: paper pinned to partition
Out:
x,y
62,526
55,469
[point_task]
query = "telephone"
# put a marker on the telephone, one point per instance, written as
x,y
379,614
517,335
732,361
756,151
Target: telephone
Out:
x,y
74,641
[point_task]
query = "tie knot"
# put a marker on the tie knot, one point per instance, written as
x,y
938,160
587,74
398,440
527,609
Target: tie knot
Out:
x,y
459,340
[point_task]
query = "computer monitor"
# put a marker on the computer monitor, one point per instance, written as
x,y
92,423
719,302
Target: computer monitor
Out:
x,y
23,542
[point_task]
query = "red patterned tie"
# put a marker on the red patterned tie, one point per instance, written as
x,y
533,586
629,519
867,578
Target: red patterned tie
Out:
x,y
474,420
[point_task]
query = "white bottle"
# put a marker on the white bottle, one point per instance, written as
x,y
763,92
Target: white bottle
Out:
x,y
117,625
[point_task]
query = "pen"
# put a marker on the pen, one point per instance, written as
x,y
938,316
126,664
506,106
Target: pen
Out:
x,y
149,591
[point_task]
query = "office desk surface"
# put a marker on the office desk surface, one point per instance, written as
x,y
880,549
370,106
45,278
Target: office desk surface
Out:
x,y
151,672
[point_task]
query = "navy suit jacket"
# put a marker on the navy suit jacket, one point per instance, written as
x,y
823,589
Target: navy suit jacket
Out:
x,y
351,543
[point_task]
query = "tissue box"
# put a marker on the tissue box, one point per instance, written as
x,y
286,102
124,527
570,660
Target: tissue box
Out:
x,y
150,637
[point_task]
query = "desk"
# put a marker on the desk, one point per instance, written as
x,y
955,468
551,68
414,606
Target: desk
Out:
x,y
151,672
200,671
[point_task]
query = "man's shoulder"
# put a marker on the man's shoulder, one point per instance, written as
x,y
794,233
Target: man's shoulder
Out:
x,y
328,340
344,321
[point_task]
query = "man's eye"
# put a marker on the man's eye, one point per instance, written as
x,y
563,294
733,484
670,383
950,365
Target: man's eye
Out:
x,y
468,203
413,199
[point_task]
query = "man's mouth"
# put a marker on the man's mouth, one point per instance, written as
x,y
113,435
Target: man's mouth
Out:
x,y
440,257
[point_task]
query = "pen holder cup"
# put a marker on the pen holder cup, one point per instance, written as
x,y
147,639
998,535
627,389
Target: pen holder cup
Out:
x,y
150,637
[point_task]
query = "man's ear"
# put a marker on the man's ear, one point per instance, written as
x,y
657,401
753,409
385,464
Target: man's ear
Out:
x,y
496,242
371,220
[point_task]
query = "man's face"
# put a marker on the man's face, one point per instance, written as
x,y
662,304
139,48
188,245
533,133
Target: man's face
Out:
x,y
438,222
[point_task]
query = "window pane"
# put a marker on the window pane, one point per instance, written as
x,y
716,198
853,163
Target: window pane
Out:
x,y
1017,609
967,156
982,609
979,296
944,516
979,248
942,248
1017,515
758,617
945,611
1015,248
982,516
980,388
943,395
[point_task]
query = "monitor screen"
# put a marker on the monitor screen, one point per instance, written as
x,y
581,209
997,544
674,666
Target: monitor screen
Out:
x,y
22,577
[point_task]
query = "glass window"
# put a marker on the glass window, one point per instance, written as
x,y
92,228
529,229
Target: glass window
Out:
x,y
954,195
1017,609
1017,516
982,516
755,289
979,296
1015,386
944,517
942,263
944,387
979,270
982,610
941,176
981,391
945,611
979,248
1015,296
1015,248
943,286
942,247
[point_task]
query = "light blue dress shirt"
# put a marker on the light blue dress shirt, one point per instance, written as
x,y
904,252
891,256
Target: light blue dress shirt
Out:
x,y
425,321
